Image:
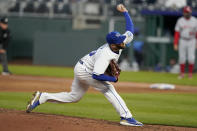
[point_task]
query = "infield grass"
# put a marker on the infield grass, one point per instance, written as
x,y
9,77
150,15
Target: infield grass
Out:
x,y
152,108
142,76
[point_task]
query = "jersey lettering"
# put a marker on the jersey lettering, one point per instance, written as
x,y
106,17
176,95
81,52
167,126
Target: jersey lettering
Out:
x,y
92,52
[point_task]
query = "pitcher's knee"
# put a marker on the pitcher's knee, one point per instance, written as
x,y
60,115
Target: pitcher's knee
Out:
x,y
75,98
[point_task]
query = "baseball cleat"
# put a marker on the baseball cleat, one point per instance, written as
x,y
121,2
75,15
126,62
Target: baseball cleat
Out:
x,y
34,102
130,122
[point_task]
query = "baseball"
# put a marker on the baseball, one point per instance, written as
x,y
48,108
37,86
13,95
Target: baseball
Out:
x,y
120,6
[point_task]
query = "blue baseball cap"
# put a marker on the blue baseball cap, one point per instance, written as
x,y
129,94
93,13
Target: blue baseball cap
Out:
x,y
115,38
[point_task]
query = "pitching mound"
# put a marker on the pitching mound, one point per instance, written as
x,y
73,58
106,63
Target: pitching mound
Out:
x,y
11,120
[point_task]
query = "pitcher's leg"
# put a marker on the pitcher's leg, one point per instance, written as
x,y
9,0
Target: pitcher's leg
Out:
x,y
113,97
120,106
118,103
77,91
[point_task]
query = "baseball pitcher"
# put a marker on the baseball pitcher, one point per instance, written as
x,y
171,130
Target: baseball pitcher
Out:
x,y
185,35
97,69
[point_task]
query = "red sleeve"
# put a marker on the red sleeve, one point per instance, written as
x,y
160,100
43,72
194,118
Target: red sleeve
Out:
x,y
176,37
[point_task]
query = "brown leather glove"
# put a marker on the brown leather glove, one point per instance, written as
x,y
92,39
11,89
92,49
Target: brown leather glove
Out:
x,y
113,70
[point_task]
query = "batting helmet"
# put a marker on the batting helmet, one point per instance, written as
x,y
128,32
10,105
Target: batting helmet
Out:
x,y
187,9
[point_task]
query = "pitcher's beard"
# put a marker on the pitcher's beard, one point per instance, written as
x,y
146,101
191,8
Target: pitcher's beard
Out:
x,y
120,47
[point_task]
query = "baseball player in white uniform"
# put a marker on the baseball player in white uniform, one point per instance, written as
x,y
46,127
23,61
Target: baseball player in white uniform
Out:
x,y
185,35
89,71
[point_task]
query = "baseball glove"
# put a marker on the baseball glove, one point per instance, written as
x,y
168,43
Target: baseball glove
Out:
x,y
113,69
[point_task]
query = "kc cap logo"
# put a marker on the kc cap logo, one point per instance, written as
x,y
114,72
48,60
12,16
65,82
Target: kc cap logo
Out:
x,y
117,35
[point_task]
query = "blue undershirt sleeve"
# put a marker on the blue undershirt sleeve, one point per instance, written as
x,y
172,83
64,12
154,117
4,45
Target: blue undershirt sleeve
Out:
x,y
129,22
104,77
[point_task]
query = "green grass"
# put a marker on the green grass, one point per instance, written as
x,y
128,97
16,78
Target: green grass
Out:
x,y
142,76
165,109
157,77
41,70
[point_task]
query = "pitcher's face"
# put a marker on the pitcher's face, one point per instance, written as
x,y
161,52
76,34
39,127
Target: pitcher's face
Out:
x,y
121,46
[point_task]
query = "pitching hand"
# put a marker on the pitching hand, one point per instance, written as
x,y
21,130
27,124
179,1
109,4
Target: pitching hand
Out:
x,y
121,8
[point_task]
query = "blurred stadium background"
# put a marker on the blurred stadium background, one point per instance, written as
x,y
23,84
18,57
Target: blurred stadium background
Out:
x,y
59,32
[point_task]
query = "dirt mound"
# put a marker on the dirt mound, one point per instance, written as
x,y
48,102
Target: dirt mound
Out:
x,y
11,120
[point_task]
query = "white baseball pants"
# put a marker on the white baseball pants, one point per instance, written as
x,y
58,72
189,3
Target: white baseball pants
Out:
x,y
187,51
82,81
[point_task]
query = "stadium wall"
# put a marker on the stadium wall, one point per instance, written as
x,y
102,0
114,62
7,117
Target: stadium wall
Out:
x,y
53,41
